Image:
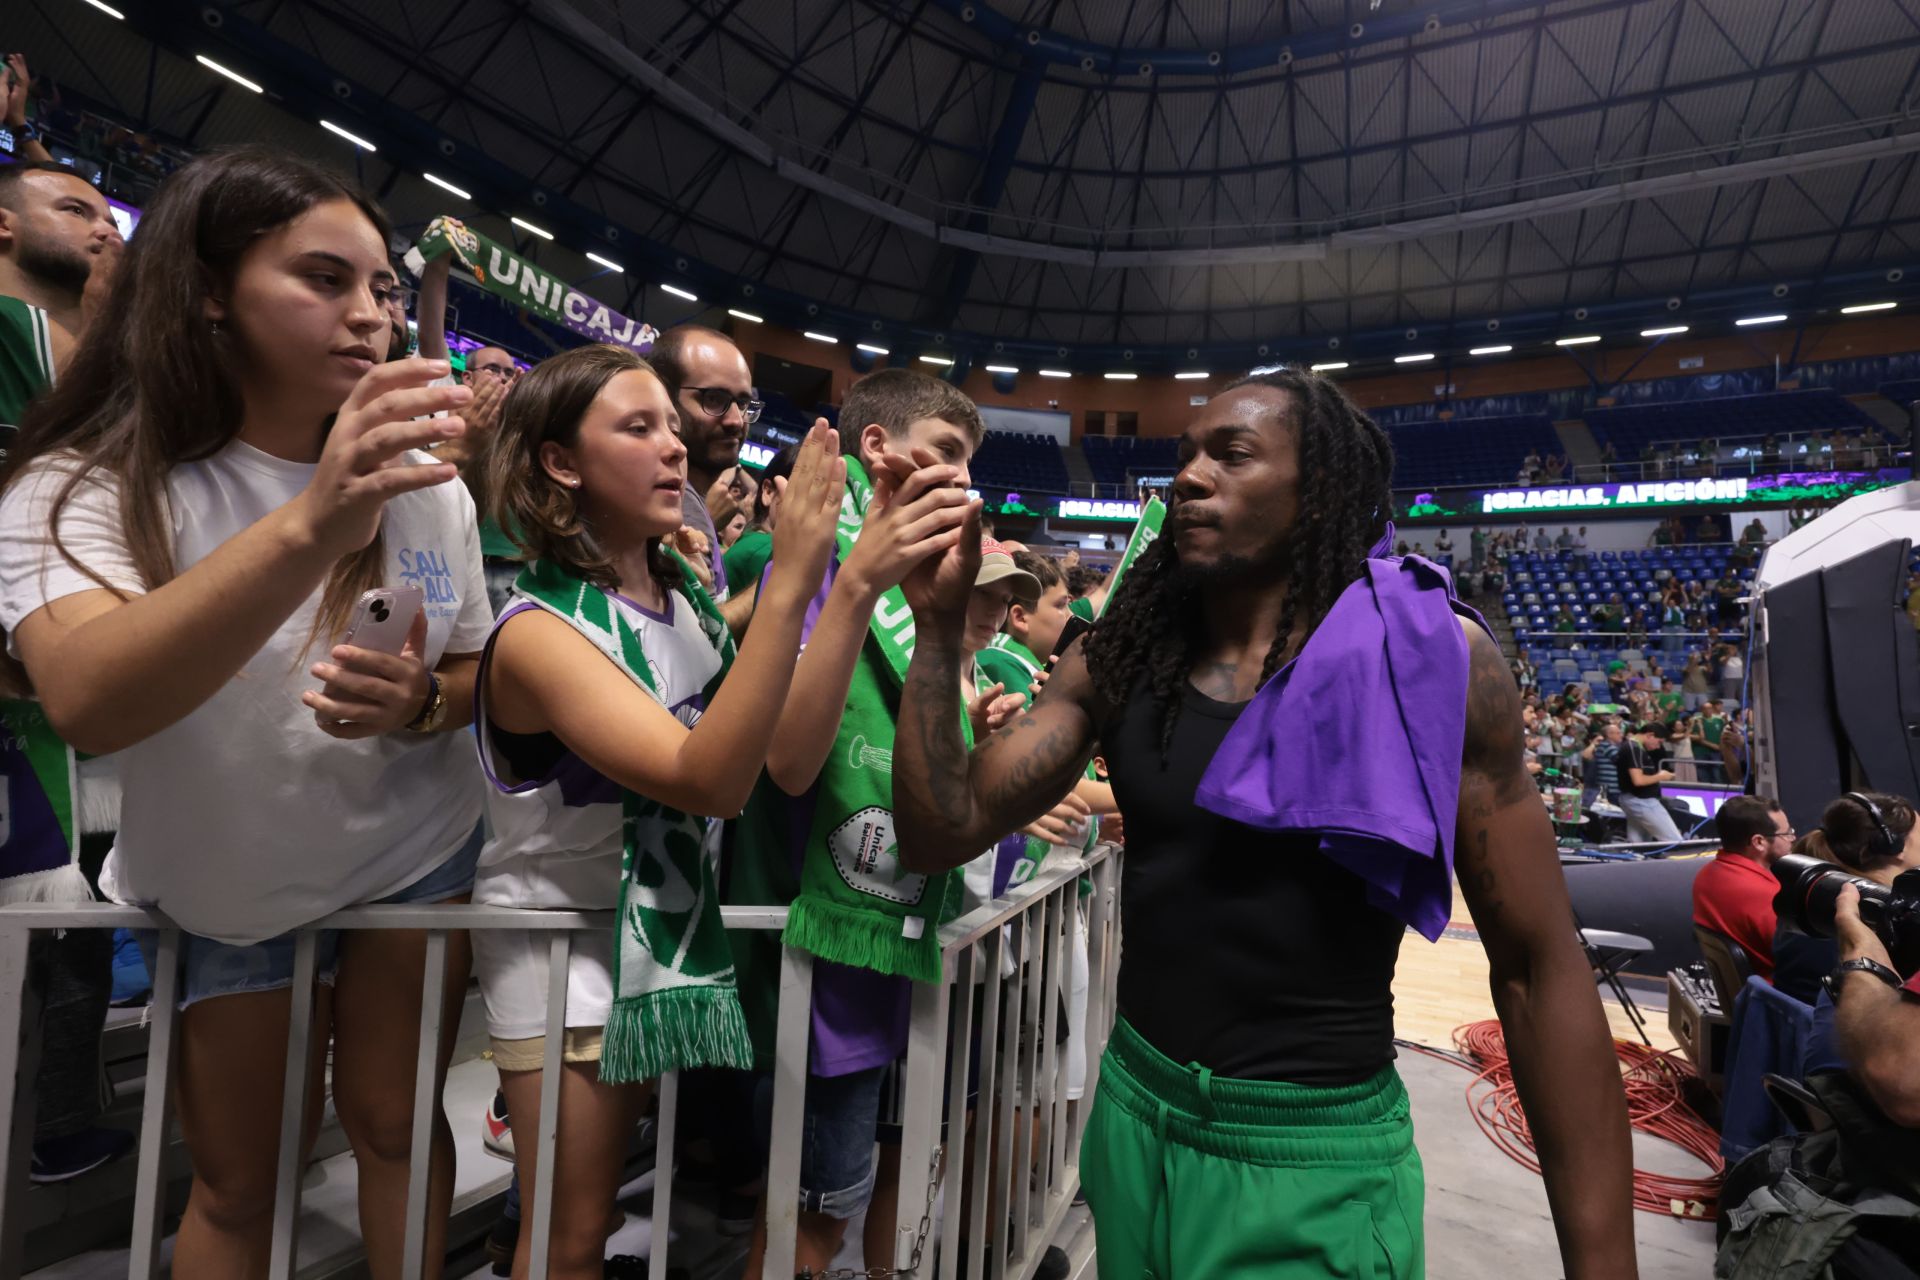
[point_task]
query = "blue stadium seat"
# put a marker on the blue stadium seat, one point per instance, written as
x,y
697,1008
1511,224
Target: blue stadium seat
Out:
x,y
1113,458
1636,429
1020,461
1468,450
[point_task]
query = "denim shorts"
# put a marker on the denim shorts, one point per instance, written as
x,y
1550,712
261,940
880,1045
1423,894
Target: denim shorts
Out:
x,y
837,1141
209,968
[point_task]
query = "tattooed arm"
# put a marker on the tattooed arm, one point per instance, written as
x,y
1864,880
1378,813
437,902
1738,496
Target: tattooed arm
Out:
x,y
1557,1036
948,805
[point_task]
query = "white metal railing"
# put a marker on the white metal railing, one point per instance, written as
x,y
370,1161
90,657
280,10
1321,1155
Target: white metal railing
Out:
x,y
1040,908
1019,1158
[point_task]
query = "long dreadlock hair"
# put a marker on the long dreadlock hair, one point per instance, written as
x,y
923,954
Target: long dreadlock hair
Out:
x,y
1151,629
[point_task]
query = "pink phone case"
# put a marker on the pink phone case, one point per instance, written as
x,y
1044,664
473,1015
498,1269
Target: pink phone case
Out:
x,y
383,617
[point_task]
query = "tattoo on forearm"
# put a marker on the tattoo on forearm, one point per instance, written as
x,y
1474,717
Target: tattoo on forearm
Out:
x,y
1037,761
940,787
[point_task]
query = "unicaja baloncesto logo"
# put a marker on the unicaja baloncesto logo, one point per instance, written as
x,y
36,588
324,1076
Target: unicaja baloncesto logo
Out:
x,y
867,854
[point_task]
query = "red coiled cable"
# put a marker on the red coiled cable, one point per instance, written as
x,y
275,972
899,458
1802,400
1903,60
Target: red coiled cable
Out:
x,y
1656,1106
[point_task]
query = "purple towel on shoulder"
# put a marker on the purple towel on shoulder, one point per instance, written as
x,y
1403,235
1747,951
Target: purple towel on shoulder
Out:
x,y
1359,738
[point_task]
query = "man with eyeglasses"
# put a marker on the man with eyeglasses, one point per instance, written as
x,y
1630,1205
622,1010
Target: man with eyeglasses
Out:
x,y
1733,894
491,362
712,391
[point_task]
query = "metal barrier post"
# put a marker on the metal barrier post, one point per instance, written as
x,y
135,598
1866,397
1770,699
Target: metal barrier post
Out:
x,y
1004,1113
289,1169
19,1063
664,1136
1024,1085
1053,1086
156,1108
920,1123
960,1051
992,948
426,1105
548,1131
1101,957
795,1021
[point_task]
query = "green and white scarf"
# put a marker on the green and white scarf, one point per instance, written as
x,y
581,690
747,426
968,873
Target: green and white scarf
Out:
x,y
858,904
507,275
674,1000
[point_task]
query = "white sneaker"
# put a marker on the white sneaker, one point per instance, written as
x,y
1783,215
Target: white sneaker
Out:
x,y
496,1130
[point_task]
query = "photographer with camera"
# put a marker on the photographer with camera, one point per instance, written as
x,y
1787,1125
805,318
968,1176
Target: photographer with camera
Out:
x,y
1877,1000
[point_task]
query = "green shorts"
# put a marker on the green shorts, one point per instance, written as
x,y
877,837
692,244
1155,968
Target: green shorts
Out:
x,y
1192,1175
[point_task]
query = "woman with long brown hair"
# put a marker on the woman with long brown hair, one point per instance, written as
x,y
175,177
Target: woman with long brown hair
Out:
x,y
187,523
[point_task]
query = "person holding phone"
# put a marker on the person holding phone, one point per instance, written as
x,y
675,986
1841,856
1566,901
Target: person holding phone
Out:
x,y
190,521
589,468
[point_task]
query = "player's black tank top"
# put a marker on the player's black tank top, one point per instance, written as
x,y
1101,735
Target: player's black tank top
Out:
x,y
1244,951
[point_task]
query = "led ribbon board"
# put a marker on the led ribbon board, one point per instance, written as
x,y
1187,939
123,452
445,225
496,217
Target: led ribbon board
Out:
x,y
1633,496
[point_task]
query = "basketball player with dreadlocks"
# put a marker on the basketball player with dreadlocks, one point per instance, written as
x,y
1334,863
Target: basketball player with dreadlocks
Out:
x,y
1303,733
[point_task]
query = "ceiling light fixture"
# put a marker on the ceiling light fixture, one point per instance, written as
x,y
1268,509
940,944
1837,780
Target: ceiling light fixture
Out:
x,y
354,138
1120,377
444,185
945,362
1500,350
611,265
1578,340
228,72
1664,331
1746,321
524,225
1055,373
818,337
1860,307
870,349
1190,374
1416,358
1329,366
748,316
108,9
1001,368
678,292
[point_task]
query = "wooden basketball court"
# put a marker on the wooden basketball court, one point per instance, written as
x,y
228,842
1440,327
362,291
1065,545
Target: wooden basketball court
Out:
x,y
1441,985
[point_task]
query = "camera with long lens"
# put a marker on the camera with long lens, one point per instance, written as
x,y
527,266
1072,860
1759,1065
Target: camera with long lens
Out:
x,y
1809,888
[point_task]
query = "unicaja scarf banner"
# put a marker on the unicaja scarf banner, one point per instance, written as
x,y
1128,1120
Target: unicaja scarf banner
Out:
x,y
512,278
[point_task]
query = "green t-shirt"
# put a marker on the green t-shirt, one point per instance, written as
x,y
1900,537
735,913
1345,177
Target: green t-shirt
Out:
x,y
1082,608
1711,728
494,542
1671,704
1009,663
26,359
747,559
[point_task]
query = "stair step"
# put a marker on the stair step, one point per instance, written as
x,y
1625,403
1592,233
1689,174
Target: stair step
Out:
x,y
1891,417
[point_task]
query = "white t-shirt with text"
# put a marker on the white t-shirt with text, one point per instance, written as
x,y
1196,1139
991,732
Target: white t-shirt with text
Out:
x,y
243,820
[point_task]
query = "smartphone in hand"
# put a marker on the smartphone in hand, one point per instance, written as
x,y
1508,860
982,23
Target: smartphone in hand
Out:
x,y
382,618
1076,627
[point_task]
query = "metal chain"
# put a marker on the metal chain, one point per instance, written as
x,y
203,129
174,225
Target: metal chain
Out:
x,y
919,1240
